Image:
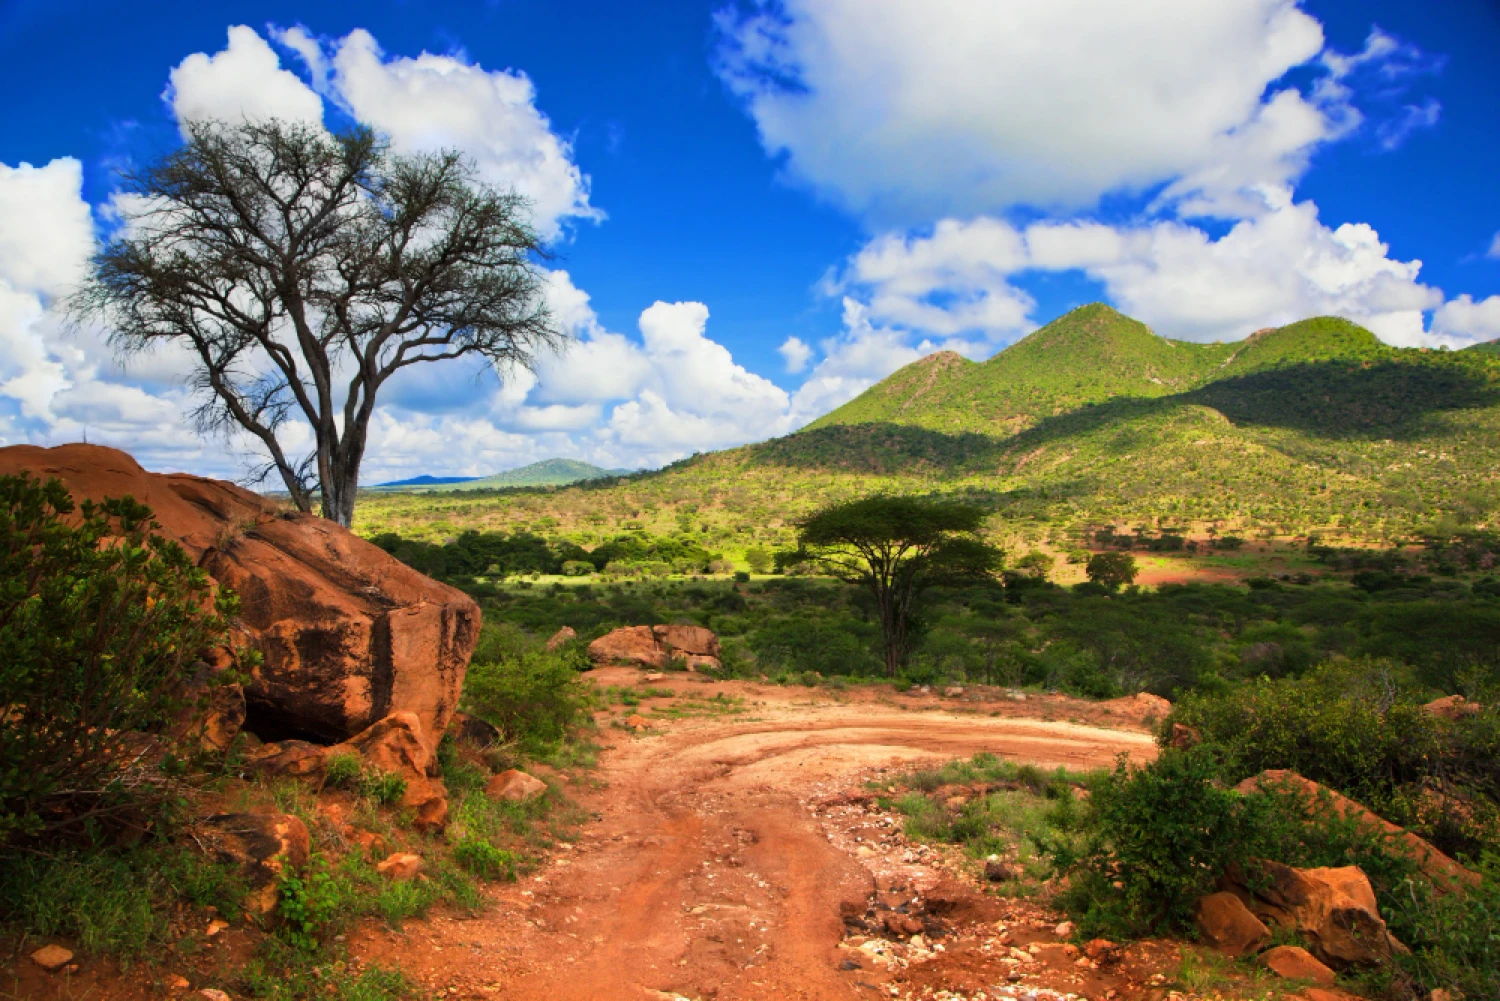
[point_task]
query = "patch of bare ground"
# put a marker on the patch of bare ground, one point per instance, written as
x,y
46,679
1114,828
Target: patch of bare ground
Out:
x,y
721,866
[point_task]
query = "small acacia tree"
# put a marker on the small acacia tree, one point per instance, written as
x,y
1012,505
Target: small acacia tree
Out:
x,y
897,547
302,270
1111,569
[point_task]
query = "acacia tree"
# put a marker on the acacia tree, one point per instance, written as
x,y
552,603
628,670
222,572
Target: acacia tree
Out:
x,y
896,547
302,270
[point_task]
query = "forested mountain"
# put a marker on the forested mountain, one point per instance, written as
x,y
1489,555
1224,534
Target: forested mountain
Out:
x,y
1094,419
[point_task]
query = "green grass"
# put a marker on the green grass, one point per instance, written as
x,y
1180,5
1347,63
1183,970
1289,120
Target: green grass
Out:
x,y
119,903
1009,812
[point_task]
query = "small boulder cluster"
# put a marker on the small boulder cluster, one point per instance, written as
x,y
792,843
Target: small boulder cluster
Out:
x,y
1332,910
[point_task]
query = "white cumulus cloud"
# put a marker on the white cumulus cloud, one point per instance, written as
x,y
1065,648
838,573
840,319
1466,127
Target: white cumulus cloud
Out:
x,y
915,111
796,353
243,81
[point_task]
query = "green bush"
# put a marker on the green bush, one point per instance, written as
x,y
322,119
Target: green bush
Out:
x,y
1358,727
307,902
483,859
348,771
102,625
533,695
1150,843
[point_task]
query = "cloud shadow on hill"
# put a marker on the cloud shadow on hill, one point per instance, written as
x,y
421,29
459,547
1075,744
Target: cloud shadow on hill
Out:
x,y
1329,400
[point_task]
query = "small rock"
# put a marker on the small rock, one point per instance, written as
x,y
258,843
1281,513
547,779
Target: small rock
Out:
x,y
653,677
52,957
850,964
1225,923
370,843
213,994
215,926
400,866
1296,963
1064,930
954,691
636,721
1102,950
177,982
515,786
564,635
997,872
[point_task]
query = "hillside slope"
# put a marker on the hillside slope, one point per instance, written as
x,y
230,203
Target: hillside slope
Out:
x,y
1093,419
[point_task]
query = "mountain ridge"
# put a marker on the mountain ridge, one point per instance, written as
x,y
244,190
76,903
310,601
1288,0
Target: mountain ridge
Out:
x,y
555,472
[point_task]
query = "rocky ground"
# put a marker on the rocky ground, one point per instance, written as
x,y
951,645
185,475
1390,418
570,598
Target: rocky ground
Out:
x,y
735,851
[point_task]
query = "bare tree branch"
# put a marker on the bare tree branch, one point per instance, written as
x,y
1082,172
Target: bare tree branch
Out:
x,y
303,270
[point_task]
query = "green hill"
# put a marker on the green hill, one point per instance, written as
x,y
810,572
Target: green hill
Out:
x,y
1094,419
546,473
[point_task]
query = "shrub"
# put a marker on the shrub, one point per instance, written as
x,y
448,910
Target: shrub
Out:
x,y
483,859
531,694
348,771
306,903
102,625
1358,726
116,902
1151,842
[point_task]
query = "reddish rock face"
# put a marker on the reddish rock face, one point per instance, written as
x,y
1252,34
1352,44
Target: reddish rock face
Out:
x,y
1225,923
628,645
1296,964
656,646
1333,909
348,633
264,846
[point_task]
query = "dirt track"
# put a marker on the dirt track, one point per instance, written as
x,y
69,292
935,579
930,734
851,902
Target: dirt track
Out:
x,y
708,872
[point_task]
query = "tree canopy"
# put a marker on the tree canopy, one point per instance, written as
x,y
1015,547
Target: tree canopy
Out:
x,y
303,269
896,547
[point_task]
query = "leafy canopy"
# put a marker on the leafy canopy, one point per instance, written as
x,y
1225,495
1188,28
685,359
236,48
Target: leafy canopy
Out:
x,y
896,547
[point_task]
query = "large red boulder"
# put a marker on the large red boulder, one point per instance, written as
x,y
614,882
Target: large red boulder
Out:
x,y
1332,909
348,634
1436,866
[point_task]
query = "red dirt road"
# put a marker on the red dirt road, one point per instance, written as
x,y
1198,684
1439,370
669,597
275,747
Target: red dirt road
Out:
x,y
711,871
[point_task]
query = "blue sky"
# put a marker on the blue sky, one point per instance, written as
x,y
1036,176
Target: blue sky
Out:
x,y
759,209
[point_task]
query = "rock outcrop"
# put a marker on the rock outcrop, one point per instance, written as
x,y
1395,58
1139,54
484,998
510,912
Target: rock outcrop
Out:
x,y
514,786
1332,909
263,846
1225,923
348,634
1436,866
1452,707
1295,963
657,647
395,745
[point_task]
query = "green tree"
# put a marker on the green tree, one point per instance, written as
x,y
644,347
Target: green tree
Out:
x,y
896,547
102,626
759,559
1111,569
301,270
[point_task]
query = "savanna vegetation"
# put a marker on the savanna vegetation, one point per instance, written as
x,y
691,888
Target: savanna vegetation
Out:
x,y
103,630
1091,421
